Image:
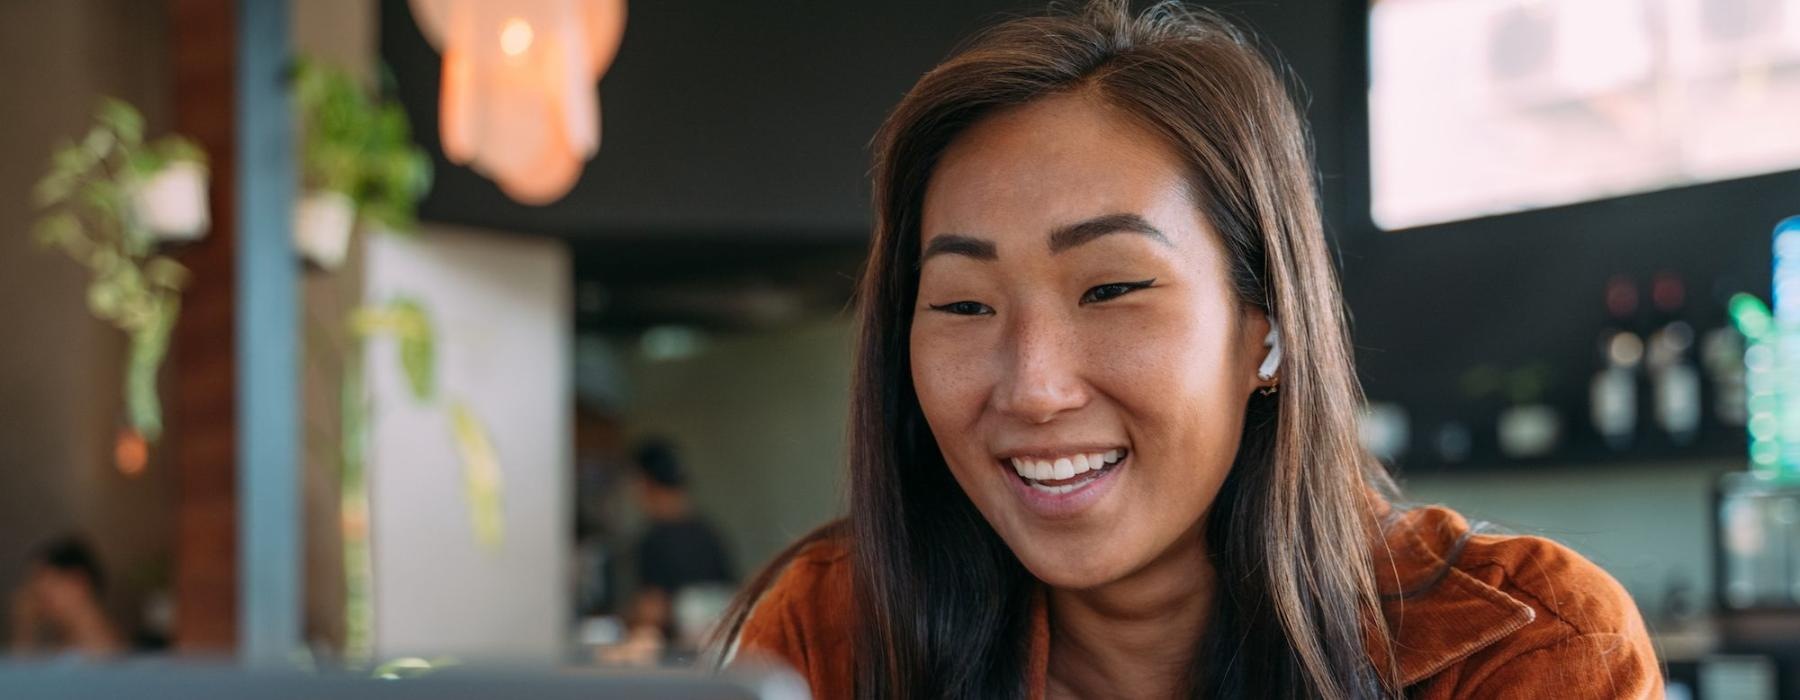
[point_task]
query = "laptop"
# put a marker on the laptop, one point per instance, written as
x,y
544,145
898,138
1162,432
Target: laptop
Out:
x,y
184,682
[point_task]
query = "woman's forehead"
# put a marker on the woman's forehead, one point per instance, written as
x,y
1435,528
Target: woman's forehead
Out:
x,y
1030,170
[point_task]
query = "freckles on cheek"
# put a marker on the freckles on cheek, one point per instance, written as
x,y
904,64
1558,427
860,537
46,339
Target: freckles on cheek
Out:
x,y
1159,361
941,382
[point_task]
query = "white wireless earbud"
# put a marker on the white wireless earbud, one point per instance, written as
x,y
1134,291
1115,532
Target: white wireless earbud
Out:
x,y
1273,361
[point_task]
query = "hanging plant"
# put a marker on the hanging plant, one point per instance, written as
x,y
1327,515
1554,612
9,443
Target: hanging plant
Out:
x,y
406,322
404,319
108,200
358,163
482,482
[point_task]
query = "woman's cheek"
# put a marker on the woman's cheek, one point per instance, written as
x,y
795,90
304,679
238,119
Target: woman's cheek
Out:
x,y
946,377
1146,350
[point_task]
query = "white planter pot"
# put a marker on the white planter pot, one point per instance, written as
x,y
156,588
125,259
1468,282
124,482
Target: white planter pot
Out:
x,y
323,222
172,202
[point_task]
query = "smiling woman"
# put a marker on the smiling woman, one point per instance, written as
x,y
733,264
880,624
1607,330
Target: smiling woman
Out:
x,y
1098,255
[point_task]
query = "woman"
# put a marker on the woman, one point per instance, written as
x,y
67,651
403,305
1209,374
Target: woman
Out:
x,y
1103,436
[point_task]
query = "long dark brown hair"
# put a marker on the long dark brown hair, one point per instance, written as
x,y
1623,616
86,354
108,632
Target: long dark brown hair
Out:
x,y
940,602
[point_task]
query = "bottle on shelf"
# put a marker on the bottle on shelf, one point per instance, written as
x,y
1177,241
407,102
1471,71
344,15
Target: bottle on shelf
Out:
x,y
1613,393
1721,356
1674,378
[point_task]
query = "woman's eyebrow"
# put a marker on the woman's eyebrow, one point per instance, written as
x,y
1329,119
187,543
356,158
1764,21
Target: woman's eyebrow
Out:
x,y
1063,238
958,244
1078,233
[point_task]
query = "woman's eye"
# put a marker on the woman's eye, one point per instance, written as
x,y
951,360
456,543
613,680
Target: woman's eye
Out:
x,y
964,308
1115,290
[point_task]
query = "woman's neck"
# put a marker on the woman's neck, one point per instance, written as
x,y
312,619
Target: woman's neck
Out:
x,y
1135,637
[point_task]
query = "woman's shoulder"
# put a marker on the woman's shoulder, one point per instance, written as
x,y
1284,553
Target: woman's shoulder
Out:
x,y
803,619
817,576
1475,610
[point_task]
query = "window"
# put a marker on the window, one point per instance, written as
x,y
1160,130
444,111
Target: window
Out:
x,y
1480,107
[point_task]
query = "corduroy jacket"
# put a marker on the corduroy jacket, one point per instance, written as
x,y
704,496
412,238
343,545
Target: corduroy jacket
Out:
x,y
1506,617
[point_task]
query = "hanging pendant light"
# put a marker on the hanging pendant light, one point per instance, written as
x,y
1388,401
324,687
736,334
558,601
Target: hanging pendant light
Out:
x,y
518,101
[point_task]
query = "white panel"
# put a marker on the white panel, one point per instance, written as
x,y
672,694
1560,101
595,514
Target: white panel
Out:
x,y
500,307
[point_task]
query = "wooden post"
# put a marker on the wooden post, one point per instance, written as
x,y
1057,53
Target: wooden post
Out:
x,y
203,361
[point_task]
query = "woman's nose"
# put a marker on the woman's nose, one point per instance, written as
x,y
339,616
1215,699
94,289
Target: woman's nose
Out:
x,y
1043,376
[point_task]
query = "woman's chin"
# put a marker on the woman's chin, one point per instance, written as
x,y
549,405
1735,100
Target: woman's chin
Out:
x,y
1074,568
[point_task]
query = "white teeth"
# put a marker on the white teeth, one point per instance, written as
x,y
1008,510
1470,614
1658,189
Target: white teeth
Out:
x,y
1056,489
1064,467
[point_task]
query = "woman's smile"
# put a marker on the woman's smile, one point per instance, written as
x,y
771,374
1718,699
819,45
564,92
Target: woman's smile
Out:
x,y
1063,483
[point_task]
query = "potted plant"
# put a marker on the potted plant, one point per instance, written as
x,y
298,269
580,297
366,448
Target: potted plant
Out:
x,y
358,162
108,200
169,190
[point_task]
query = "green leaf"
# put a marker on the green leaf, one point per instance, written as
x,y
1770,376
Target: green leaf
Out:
x,y
390,217
391,127
137,237
104,261
123,120
418,352
57,230
143,163
68,158
104,196
164,272
406,321
53,189
418,166
176,149
104,299
130,281
98,143
483,481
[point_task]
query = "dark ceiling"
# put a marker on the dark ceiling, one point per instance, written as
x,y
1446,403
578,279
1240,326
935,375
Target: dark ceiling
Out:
x,y
721,118
730,189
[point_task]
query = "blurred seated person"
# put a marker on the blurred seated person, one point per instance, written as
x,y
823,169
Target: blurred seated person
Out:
x,y
57,610
680,558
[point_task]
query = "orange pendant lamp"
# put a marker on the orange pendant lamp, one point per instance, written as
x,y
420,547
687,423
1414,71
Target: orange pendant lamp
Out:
x,y
519,101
